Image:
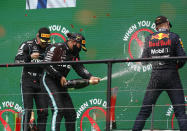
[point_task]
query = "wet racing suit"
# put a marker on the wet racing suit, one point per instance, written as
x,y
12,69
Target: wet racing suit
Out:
x,y
30,84
164,76
60,99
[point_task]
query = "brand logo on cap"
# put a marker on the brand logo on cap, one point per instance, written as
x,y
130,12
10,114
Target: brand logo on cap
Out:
x,y
83,42
45,35
78,38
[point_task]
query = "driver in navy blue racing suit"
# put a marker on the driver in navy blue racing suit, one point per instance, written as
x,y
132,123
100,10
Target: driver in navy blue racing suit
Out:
x,y
164,77
54,79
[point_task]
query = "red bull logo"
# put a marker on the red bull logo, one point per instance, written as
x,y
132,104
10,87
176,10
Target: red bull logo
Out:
x,y
160,36
160,43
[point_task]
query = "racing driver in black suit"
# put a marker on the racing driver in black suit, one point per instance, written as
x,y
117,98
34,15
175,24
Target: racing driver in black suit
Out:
x,y
54,79
33,51
164,77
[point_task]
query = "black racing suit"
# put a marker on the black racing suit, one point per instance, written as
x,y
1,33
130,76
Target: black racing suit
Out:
x,y
164,76
30,84
60,99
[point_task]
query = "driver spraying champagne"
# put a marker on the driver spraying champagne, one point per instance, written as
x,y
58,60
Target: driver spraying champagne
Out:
x,y
55,83
77,83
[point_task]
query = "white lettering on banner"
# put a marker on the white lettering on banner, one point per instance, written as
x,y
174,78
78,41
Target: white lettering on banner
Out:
x,y
95,101
55,27
18,108
140,24
137,67
147,68
144,23
89,103
168,113
7,104
170,109
11,104
81,109
153,26
64,30
104,104
129,32
58,28
134,67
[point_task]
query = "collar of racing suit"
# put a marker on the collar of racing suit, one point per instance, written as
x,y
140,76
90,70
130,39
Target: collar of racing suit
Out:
x,y
67,47
163,29
36,41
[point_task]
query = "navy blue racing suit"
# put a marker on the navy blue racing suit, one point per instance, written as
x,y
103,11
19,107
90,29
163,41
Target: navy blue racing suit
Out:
x,y
62,105
30,84
164,76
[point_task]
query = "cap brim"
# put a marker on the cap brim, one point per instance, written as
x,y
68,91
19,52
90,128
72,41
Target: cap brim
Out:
x,y
45,40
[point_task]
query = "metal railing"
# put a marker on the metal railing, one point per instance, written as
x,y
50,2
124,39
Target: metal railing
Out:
x,y
109,63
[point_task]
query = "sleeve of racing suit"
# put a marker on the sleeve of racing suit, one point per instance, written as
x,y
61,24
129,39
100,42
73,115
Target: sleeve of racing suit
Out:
x,y
81,71
51,52
145,53
23,54
180,52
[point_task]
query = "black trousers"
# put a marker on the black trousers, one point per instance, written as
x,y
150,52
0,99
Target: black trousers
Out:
x,y
31,91
61,104
163,80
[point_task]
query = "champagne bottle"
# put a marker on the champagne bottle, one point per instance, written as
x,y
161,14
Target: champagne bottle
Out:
x,y
76,83
18,117
32,123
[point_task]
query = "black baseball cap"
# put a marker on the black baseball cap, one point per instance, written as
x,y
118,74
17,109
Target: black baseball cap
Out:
x,y
79,38
162,19
44,34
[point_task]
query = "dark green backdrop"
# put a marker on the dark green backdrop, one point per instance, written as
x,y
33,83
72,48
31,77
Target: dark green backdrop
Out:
x,y
109,26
